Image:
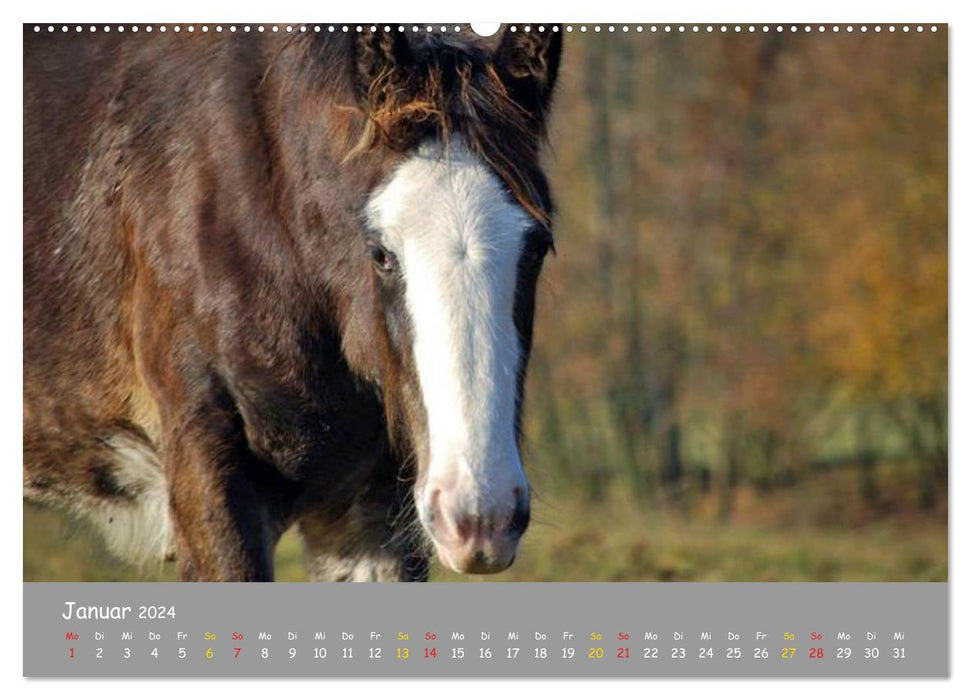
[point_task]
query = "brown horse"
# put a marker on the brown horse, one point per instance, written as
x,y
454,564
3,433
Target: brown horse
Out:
x,y
284,279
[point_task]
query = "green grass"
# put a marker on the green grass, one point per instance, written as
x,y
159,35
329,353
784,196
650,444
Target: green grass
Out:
x,y
619,541
614,540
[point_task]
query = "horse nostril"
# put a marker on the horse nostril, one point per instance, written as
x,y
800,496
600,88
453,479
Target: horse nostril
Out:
x,y
431,506
520,519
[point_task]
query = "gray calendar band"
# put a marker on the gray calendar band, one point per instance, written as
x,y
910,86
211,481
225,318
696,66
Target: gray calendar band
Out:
x,y
357,630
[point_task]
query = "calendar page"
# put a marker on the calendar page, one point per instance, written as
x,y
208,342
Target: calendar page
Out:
x,y
485,351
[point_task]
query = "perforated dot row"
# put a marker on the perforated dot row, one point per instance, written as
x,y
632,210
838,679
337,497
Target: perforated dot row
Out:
x,y
654,28
750,28
277,28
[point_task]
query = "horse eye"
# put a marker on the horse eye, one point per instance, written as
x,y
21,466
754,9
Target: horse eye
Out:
x,y
383,258
539,246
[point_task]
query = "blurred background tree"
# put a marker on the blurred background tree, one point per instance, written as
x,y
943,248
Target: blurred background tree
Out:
x,y
752,280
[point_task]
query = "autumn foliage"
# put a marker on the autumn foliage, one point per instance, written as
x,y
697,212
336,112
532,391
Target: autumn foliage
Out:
x,y
751,283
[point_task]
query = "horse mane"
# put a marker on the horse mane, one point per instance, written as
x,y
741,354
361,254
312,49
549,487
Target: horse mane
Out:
x,y
450,86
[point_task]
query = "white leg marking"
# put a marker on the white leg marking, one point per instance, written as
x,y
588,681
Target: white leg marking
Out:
x,y
140,529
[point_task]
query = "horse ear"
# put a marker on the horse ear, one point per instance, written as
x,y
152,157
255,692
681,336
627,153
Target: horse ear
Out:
x,y
528,63
377,55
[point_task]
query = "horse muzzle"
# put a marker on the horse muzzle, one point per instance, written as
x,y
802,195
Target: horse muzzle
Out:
x,y
474,538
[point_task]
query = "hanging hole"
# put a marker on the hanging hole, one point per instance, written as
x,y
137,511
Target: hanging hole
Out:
x,y
485,28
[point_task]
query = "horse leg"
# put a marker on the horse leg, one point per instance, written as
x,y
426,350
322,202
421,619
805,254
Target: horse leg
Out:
x,y
108,473
228,507
360,546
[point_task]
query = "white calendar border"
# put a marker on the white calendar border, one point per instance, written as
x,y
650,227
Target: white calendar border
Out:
x,y
601,11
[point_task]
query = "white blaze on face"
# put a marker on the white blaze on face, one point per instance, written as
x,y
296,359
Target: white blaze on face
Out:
x,y
458,238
